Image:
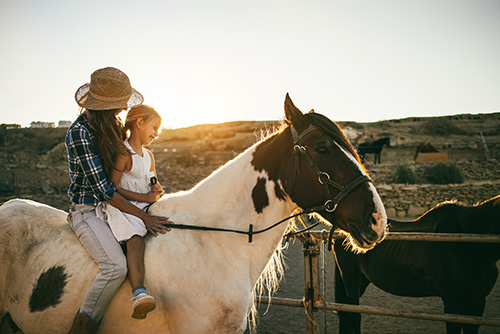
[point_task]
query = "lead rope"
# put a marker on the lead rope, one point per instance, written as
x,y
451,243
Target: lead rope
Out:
x,y
324,241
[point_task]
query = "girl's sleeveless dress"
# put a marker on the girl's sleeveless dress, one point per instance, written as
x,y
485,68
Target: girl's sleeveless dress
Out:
x,y
123,225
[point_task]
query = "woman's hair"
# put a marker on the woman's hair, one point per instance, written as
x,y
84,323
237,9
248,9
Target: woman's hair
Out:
x,y
110,135
143,111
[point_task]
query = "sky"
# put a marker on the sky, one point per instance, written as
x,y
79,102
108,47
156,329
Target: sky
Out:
x,y
214,61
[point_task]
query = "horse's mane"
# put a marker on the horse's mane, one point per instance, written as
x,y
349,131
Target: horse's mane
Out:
x,y
332,130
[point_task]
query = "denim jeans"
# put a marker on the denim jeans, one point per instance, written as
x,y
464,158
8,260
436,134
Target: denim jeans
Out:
x,y
100,243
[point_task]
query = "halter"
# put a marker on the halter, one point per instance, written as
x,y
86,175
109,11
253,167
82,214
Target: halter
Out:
x,y
323,178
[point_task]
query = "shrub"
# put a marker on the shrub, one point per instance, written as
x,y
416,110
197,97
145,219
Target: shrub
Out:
x,y
442,173
403,174
438,127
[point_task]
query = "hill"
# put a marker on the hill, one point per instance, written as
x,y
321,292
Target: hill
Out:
x,y
36,158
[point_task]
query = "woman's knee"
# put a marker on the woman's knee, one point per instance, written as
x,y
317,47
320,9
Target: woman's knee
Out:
x,y
121,268
114,268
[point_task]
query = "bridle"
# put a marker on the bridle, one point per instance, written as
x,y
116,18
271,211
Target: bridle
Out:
x,y
324,179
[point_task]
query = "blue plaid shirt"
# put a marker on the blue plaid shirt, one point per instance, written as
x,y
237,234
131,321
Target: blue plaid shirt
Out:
x,y
89,184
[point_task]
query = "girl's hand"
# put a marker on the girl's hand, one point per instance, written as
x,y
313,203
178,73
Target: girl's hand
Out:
x,y
157,188
156,224
152,196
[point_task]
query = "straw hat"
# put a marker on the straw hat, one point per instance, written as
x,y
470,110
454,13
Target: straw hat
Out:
x,y
109,88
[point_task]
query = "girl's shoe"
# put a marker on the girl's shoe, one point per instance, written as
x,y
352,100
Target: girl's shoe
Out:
x,y
143,304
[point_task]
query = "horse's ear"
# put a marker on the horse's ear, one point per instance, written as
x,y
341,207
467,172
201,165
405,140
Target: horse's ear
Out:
x,y
293,115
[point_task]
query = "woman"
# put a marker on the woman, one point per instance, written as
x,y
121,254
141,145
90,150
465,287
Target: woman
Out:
x,y
91,142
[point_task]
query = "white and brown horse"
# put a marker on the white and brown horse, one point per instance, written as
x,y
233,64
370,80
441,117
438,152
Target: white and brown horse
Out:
x,y
203,280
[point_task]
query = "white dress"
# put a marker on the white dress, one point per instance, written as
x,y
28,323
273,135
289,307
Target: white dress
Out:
x,y
123,225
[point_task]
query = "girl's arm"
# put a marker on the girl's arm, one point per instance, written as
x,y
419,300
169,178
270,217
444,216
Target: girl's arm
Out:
x,y
123,163
157,186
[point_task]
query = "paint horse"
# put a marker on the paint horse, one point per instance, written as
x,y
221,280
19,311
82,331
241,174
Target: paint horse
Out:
x,y
374,147
462,274
203,280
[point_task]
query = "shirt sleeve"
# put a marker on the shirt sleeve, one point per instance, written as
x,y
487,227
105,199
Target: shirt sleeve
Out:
x,y
85,156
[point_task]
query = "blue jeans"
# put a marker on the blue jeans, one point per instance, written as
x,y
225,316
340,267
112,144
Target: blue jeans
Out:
x,y
100,243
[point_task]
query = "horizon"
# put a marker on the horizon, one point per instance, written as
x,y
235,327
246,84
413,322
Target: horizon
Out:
x,y
269,120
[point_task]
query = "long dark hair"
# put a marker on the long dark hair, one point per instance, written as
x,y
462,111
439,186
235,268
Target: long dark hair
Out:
x,y
110,134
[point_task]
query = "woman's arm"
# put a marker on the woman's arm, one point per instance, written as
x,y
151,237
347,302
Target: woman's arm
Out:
x,y
123,163
154,224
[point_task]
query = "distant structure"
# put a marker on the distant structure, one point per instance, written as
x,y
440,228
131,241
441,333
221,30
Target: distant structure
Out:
x,y
10,126
64,124
38,124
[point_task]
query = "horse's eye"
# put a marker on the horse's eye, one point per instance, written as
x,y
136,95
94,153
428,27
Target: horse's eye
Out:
x,y
322,149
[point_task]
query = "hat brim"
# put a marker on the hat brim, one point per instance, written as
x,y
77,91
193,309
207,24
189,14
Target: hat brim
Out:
x,y
87,101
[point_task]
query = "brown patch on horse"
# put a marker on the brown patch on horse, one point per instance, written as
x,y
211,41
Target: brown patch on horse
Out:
x,y
262,160
48,289
259,195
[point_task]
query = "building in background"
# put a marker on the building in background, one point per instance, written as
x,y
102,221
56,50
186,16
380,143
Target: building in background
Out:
x,y
64,124
39,124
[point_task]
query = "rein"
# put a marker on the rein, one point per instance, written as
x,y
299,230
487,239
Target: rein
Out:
x,y
323,178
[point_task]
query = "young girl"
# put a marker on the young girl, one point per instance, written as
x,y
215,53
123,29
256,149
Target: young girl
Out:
x,y
91,141
135,179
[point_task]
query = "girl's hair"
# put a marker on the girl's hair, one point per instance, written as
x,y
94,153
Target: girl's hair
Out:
x,y
143,111
110,135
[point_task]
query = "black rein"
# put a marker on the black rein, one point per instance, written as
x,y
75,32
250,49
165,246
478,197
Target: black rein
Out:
x,y
323,178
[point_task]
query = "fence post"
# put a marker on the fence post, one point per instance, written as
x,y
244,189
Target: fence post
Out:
x,y
311,279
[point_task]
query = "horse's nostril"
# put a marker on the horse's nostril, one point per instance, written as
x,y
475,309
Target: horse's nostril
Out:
x,y
373,219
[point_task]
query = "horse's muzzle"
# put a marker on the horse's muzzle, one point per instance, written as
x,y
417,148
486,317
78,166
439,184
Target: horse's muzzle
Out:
x,y
370,233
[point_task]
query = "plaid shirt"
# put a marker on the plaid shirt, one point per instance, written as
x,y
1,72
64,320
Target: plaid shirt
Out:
x,y
89,184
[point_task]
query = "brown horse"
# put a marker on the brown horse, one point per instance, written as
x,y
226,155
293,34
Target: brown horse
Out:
x,y
462,274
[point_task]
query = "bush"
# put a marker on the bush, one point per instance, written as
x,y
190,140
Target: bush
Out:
x,y
442,173
403,174
438,127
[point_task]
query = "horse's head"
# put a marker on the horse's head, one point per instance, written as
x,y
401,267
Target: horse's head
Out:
x,y
324,170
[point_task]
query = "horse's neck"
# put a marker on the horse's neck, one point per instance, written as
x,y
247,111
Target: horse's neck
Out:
x,y
225,199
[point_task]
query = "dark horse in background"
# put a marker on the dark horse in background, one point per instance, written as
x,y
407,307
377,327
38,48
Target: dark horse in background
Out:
x,y
462,274
425,148
373,146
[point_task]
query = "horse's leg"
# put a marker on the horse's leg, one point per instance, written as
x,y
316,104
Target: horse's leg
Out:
x,y
349,276
454,305
474,308
341,297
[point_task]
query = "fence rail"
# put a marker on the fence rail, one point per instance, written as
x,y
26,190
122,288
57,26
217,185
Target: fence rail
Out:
x,y
420,236
313,301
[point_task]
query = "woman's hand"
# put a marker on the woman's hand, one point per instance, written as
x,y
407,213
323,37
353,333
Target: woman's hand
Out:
x,y
156,224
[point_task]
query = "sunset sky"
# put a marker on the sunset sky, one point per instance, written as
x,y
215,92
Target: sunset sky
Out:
x,y
216,61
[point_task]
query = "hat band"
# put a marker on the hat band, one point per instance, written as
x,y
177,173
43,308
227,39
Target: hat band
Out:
x,y
109,99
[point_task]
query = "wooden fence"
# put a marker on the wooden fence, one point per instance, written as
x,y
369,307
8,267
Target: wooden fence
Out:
x,y
313,300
